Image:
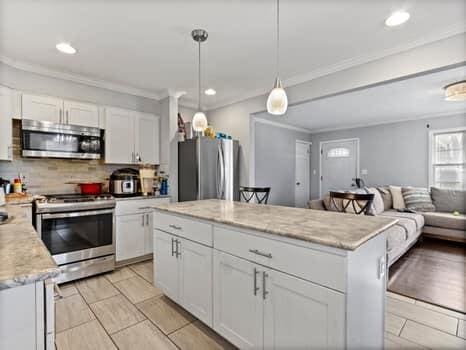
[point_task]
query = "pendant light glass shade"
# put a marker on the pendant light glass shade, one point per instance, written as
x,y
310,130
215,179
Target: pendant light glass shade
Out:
x,y
456,91
277,103
199,122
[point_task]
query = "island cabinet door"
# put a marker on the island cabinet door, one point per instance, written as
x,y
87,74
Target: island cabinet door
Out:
x,y
167,271
300,314
238,304
196,279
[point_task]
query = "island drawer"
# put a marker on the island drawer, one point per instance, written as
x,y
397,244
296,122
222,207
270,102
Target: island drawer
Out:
x,y
317,266
187,228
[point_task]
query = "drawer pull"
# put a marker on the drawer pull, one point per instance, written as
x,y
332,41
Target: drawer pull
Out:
x,y
257,252
175,227
173,249
143,208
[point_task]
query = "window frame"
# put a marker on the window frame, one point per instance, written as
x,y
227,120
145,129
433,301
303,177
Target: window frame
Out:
x,y
431,152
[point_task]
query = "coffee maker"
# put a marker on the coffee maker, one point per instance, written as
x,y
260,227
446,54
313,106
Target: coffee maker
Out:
x,y
147,176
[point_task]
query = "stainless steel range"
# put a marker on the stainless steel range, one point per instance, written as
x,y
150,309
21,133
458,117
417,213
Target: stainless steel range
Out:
x,y
79,231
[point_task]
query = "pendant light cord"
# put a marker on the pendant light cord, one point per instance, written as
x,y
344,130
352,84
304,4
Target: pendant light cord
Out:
x,y
278,38
199,80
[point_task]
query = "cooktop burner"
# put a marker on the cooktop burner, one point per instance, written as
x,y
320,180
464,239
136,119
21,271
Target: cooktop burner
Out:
x,y
74,201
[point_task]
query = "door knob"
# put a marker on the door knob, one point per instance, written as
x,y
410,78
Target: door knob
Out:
x,y
298,183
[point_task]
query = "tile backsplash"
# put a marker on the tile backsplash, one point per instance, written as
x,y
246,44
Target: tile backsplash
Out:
x,y
46,176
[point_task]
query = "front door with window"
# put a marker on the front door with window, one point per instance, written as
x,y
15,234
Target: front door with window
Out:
x,y
339,164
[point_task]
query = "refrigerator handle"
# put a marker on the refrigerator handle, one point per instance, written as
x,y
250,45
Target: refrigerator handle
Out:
x,y
221,168
217,174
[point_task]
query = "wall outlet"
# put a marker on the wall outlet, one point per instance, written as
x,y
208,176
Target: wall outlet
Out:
x,y
314,172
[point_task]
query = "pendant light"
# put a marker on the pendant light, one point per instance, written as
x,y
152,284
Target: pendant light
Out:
x,y
199,121
456,91
277,103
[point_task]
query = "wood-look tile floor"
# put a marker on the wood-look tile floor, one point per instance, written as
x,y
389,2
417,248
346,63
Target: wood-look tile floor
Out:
x,y
123,310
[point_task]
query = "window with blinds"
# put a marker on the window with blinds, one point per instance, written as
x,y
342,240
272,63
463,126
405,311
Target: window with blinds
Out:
x,y
448,151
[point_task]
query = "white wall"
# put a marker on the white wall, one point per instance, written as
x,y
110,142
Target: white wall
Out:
x,y
235,118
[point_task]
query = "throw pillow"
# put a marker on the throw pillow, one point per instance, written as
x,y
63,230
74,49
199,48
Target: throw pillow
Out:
x,y
417,199
397,197
386,197
449,200
377,206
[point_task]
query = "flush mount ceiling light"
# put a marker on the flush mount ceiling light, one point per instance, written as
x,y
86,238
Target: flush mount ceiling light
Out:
x,y
66,48
277,103
199,121
456,91
210,92
397,18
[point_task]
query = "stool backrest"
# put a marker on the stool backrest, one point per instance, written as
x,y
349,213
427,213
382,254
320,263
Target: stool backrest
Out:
x,y
260,194
359,202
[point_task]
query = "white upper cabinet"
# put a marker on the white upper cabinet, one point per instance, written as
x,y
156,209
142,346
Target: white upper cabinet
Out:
x,y
119,136
57,110
131,137
79,113
42,108
147,138
6,137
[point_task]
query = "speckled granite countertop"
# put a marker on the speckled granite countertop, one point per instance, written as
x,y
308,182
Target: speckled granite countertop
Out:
x,y
141,197
345,231
23,257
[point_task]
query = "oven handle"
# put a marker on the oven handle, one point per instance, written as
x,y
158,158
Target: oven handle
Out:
x,y
77,214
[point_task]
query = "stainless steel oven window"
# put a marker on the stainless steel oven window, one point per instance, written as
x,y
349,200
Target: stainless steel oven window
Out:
x,y
78,236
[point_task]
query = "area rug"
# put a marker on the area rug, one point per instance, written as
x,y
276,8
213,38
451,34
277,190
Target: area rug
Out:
x,y
433,271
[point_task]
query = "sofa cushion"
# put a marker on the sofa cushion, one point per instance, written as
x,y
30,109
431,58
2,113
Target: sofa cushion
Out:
x,y
386,197
411,223
445,220
377,206
417,199
449,200
396,236
397,197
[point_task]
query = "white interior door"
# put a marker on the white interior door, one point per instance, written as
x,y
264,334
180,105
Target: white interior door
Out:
x,y
339,162
302,176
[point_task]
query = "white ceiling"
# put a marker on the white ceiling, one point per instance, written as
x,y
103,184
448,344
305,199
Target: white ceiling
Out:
x,y
146,45
418,97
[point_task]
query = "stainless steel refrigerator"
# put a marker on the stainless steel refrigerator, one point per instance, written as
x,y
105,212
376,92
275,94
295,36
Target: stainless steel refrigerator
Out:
x,y
208,168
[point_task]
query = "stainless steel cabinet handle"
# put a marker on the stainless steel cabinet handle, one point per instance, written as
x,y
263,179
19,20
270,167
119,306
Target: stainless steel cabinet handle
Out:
x,y
173,249
256,288
60,116
264,288
142,219
178,244
175,227
258,252
67,117
147,219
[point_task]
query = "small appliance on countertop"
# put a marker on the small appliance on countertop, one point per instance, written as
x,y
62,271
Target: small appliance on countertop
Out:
x,y
125,182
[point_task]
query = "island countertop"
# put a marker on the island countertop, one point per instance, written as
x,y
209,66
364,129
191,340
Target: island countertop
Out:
x,y
344,231
24,258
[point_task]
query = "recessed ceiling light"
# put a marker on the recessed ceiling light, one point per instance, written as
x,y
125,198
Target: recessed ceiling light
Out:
x,y
210,92
66,48
397,18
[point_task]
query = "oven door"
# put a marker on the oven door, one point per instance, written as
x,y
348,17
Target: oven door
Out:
x,y
78,236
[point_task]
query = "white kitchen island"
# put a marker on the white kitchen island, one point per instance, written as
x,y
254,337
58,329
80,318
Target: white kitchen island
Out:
x,y
275,277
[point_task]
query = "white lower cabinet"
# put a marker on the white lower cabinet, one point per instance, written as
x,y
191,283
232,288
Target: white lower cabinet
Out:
x,y
130,236
300,314
238,305
184,273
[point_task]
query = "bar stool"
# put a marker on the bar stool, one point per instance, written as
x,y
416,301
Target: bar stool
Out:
x,y
261,194
360,202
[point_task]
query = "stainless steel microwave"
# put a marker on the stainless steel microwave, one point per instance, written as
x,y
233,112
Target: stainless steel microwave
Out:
x,y
50,140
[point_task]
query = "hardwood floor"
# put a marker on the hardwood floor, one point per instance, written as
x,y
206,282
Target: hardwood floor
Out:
x,y
122,310
433,271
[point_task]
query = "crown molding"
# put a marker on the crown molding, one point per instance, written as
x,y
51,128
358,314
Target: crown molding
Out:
x,y
455,29
364,125
281,125
80,79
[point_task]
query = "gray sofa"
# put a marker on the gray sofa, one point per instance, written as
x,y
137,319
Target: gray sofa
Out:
x,y
439,224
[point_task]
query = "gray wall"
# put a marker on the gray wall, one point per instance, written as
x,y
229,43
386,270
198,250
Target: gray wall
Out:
x,y
42,85
394,154
275,149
